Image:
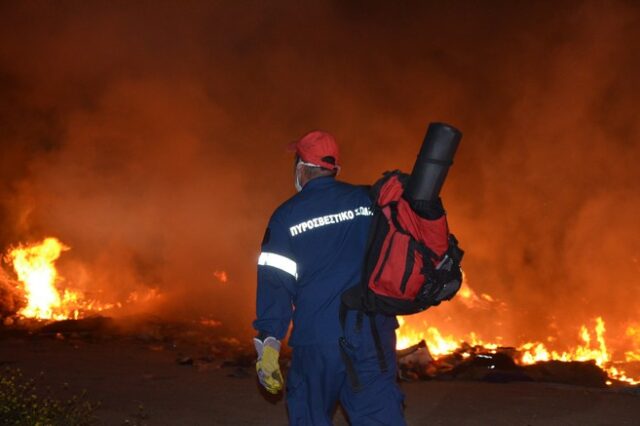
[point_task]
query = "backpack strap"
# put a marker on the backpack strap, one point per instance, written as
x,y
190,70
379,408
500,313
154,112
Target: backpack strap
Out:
x,y
376,188
359,318
378,343
409,264
346,346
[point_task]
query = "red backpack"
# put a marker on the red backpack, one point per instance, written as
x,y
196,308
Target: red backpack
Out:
x,y
412,262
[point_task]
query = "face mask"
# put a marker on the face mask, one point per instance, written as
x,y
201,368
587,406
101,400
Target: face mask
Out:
x,y
298,169
296,182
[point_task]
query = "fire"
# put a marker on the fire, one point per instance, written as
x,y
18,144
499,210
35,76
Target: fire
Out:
x,y
40,283
633,332
471,299
438,344
221,276
35,268
593,347
587,351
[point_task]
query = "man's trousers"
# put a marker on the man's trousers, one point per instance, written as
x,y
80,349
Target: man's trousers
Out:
x,y
318,380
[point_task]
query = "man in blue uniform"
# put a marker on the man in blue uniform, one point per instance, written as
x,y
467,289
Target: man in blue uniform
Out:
x,y
313,250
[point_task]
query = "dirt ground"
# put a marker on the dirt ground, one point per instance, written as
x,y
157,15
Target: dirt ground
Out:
x,y
126,375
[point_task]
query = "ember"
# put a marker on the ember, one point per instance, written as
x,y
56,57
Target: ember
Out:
x,y
221,276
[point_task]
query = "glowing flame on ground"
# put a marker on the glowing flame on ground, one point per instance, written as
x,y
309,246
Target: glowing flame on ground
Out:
x,y
39,281
35,268
530,352
438,344
589,350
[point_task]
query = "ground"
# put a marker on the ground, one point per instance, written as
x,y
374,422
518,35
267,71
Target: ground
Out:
x,y
135,380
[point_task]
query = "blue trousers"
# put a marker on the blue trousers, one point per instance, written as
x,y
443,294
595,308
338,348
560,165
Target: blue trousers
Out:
x,y
318,379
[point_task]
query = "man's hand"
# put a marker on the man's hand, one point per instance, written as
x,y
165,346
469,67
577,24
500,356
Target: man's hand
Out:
x,y
267,365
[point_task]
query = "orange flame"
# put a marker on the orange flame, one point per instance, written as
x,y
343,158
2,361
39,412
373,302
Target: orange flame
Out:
x,y
35,268
633,332
221,276
530,352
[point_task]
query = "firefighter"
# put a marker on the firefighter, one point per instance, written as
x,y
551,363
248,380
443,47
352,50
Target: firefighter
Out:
x,y
312,251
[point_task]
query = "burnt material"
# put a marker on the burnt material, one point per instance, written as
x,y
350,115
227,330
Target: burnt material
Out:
x,y
431,166
494,365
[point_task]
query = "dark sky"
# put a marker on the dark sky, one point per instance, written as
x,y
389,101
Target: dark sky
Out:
x,y
149,137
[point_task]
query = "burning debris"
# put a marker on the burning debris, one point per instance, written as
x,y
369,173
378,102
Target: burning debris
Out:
x,y
40,293
44,304
34,266
589,363
498,365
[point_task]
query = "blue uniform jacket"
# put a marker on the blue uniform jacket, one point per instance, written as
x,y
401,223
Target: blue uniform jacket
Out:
x,y
312,251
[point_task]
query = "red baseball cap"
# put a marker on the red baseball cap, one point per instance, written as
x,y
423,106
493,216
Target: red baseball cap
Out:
x,y
318,148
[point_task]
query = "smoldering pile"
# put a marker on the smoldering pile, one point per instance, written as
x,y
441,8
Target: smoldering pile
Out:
x,y
497,365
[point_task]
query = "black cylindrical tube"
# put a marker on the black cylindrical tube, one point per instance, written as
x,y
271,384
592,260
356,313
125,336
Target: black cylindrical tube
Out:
x,y
431,167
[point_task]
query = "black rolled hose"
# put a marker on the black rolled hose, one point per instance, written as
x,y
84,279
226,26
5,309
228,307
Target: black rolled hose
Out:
x,y
431,166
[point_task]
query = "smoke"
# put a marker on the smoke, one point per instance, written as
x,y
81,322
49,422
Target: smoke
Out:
x,y
149,138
